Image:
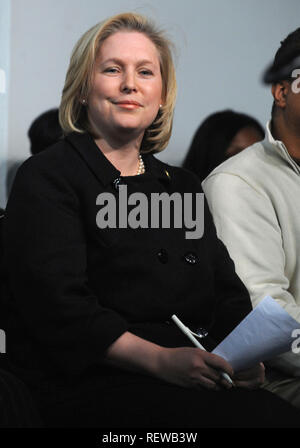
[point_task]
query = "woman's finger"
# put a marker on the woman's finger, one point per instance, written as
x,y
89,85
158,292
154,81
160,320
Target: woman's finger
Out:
x,y
219,363
212,374
215,376
207,383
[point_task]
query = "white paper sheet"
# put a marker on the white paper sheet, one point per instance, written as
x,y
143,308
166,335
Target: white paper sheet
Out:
x,y
264,333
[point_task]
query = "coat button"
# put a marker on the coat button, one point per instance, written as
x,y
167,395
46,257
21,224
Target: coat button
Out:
x,y
191,258
163,256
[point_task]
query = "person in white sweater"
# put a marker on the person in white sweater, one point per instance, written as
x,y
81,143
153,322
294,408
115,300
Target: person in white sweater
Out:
x,y
254,200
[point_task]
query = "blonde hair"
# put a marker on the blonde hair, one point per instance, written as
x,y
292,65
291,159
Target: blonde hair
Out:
x,y
73,115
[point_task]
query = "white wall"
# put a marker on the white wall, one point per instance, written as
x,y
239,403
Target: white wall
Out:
x,y
224,45
4,81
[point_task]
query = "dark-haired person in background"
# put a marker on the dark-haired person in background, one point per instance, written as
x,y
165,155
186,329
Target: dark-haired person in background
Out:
x,y
254,199
220,136
44,131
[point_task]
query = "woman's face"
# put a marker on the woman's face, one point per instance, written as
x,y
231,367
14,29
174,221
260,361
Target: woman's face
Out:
x,y
126,89
244,138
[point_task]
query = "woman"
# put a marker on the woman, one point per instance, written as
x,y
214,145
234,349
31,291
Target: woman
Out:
x,y
91,333
220,136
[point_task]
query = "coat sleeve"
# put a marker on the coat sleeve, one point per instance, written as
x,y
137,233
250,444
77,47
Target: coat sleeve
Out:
x,y
247,224
46,263
232,300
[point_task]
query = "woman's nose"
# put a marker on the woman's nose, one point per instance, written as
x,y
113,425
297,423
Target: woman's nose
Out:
x,y
128,83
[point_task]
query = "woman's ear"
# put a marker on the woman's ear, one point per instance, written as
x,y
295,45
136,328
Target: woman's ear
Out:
x,y
279,92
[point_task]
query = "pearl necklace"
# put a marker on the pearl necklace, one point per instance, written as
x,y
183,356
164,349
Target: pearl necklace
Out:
x,y
141,167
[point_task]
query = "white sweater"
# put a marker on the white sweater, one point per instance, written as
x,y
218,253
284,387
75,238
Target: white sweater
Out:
x,y
254,198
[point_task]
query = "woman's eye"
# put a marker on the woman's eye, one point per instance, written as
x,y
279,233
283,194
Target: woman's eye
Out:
x,y
146,72
111,70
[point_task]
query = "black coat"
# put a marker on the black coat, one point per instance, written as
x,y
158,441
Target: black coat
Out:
x,y
74,288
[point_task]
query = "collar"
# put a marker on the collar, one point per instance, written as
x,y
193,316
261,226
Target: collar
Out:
x,y
269,135
280,148
101,166
157,168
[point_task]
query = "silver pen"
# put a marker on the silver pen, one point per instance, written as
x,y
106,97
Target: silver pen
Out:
x,y
192,338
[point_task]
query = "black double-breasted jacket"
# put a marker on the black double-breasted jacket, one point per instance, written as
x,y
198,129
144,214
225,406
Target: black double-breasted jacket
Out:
x,y
75,288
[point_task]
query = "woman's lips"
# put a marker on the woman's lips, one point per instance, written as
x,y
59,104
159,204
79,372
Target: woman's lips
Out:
x,y
128,104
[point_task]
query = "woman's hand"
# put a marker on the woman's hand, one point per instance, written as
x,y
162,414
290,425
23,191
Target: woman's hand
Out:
x,y
193,367
250,378
184,366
